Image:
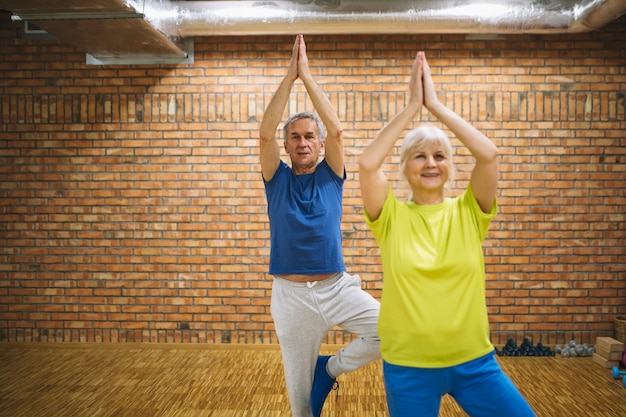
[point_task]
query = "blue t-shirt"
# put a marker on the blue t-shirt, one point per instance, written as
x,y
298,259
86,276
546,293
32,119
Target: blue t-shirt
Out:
x,y
305,221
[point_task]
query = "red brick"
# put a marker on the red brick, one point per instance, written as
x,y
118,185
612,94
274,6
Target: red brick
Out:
x,y
131,198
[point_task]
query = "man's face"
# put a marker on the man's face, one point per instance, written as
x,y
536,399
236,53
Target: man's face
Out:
x,y
303,145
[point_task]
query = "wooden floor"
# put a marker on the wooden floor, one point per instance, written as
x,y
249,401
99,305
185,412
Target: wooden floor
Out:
x,y
118,380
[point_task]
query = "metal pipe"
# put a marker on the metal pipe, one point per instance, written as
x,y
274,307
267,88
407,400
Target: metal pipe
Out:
x,y
216,18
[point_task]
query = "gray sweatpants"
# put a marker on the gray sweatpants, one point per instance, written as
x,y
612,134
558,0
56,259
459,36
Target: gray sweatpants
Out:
x,y
303,313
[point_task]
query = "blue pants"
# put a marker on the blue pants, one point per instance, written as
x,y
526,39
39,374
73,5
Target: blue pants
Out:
x,y
480,387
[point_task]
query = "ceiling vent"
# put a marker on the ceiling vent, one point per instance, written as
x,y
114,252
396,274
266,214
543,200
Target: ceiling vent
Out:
x,y
162,31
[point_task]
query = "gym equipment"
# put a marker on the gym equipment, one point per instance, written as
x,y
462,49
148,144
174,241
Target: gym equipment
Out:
x,y
526,349
616,372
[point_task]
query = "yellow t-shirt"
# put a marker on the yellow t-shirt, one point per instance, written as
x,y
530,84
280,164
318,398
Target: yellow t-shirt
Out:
x,y
433,310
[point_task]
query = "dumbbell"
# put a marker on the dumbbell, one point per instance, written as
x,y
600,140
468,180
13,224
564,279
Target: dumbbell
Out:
x,y
616,372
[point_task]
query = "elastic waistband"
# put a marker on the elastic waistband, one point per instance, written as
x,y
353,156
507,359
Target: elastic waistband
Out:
x,y
310,284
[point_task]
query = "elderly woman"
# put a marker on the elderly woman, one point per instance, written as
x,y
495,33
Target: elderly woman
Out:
x,y
433,323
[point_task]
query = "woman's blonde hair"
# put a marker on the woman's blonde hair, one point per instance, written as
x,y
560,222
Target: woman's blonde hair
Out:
x,y
422,137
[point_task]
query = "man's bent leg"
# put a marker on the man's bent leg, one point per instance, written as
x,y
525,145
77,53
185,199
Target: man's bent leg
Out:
x,y
356,311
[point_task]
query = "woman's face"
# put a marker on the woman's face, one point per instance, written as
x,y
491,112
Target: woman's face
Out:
x,y
427,168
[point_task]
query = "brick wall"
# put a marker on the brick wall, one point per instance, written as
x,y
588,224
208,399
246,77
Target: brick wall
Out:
x,y
132,208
